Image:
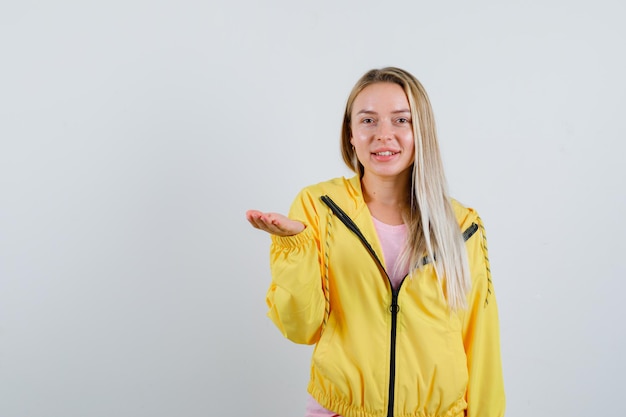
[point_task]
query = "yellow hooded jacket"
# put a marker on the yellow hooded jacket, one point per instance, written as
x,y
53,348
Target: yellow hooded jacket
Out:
x,y
381,352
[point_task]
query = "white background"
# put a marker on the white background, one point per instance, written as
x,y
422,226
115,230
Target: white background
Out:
x,y
135,134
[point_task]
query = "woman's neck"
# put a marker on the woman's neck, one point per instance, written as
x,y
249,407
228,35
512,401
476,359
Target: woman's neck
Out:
x,y
386,198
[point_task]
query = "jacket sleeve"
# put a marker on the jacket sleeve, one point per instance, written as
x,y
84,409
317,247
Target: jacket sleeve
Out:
x,y
296,298
481,334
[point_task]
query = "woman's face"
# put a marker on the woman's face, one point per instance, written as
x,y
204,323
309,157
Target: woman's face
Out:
x,y
382,131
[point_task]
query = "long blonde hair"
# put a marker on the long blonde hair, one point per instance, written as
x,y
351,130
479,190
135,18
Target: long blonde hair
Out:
x,y
432,226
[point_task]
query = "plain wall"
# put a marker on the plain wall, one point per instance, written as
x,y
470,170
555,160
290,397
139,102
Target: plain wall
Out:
x,y
135,134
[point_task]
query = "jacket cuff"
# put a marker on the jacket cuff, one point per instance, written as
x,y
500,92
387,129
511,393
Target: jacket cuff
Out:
x,y
294,241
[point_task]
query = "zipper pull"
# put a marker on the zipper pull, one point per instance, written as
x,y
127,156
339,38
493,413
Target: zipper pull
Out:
x,y
394,308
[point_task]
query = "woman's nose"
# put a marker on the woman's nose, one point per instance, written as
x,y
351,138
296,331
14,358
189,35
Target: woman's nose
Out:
x,y
384,131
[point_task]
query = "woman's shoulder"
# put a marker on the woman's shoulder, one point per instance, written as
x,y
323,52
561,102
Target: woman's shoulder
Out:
x,y
465,215
339,187
344,192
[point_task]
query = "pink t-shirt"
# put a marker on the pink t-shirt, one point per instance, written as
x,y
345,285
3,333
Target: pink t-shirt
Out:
x,y
392,239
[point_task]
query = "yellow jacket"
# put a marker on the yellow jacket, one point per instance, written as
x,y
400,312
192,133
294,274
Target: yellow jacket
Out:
x,y
381,352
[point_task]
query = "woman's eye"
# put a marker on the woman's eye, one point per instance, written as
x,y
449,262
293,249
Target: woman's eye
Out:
x,y
368,120
403,120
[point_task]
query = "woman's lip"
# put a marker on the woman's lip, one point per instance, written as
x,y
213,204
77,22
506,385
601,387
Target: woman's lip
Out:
x,y
386,157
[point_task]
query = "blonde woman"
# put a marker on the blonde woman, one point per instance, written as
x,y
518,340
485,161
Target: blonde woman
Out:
x,y
386,274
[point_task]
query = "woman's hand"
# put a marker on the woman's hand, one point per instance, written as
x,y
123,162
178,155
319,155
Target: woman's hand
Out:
x,y
274,223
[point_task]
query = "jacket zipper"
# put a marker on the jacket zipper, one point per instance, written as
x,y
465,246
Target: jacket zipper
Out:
x,y
394,308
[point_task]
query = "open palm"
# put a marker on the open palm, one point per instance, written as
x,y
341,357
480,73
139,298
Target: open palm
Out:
x,y
274,223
